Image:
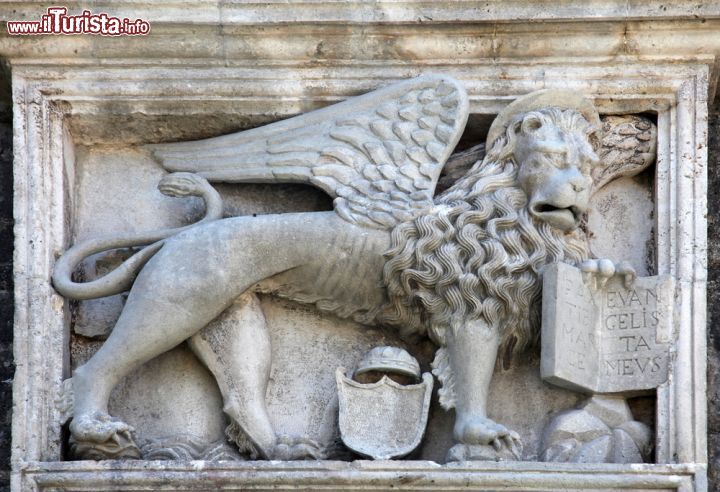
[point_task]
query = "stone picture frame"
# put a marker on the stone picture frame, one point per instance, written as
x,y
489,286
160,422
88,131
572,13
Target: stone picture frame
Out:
x,y
46,98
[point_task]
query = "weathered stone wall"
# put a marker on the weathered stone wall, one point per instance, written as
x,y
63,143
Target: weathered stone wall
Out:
x,y
714,295
6,280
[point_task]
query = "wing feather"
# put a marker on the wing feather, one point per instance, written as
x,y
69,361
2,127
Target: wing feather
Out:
x,y
379,155
628,147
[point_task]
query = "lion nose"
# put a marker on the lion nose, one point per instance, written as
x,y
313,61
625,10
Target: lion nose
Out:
x,y
578,182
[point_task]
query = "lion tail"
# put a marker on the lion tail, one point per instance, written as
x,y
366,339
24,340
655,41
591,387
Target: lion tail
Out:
x,y
121,279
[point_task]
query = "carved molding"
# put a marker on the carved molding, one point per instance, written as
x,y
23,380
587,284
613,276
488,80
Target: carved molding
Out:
x,y
385,11
416,475
403,33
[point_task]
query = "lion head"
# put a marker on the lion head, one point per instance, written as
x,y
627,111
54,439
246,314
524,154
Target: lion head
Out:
x,y
480,251
556,159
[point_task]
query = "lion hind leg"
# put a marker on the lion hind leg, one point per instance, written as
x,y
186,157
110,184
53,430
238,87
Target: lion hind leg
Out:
x,y
235,347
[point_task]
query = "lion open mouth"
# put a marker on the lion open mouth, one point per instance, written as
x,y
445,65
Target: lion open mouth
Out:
x,y
564,218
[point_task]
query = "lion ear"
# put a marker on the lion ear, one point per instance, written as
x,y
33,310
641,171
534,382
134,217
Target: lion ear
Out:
x,y
530,123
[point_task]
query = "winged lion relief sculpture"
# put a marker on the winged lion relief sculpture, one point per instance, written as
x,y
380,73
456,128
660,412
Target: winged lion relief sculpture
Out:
x,y
462,267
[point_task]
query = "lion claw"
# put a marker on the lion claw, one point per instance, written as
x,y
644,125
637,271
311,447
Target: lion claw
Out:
x,y
598,271
511,442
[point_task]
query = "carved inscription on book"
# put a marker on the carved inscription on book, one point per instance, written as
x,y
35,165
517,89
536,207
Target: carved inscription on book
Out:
x,y
605,338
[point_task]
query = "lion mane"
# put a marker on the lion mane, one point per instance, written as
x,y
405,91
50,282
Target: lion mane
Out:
x,y
478,254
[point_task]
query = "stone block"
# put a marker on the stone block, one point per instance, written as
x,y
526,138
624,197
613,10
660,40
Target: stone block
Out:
x,y
601,430
611,410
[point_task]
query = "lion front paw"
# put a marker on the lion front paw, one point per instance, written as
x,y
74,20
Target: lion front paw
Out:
x,y
182,184
599,271
483,439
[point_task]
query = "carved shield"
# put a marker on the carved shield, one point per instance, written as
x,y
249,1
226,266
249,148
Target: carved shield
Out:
x,y
383,420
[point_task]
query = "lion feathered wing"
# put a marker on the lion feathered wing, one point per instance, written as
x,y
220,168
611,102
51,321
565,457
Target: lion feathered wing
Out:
x,y
378,155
